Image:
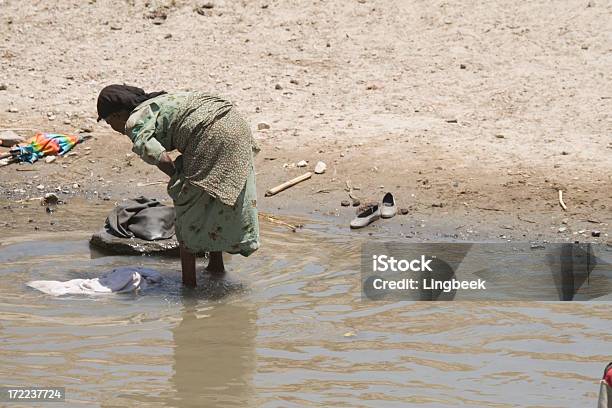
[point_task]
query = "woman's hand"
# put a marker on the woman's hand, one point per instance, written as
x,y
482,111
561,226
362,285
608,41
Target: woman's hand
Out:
x,y
166,165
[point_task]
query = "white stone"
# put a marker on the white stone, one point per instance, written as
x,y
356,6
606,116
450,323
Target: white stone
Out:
x,y
302,163
320,168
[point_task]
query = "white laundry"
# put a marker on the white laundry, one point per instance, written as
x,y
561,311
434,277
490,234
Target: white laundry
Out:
x,y
120,280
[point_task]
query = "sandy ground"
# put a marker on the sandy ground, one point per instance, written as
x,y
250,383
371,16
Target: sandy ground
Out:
x,y
472,114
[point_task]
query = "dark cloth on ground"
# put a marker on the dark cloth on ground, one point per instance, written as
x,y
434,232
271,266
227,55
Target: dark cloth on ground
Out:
x,y
143,218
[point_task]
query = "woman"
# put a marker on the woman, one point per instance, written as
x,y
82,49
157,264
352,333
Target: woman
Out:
x,y
212,183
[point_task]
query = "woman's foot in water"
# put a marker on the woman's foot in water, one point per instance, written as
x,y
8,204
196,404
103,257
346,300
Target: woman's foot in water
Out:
x,y
215,264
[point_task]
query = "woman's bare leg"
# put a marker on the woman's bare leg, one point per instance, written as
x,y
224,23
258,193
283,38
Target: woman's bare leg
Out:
x,y
188,266
215,264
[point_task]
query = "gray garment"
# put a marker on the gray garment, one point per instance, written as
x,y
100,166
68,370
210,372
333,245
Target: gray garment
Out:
x,y
143,218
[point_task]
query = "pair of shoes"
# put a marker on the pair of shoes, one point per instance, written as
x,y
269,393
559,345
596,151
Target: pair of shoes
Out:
x,y
372,212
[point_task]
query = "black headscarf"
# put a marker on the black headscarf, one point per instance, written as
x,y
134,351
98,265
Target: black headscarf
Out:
x,y
117,98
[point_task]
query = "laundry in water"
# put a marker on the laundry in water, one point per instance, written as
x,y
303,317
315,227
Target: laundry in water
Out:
x,y
119,280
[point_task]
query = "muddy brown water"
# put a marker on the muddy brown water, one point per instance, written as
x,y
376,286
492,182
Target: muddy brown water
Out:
x,y
287,328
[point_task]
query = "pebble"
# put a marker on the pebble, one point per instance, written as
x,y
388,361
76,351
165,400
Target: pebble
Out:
x,y
403,211
278,87
302,163
345,203
75,185
462,66
10,138
320,168
50,199
50,159
565,221
595,233
263,126
13,110
356,202
3,87
562,229
40,187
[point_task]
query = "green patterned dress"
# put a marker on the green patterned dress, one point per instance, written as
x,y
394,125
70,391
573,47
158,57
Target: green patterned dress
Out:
x,y
213,188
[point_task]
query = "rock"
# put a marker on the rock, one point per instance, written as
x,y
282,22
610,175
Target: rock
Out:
x,y
564,153
87,129
13,110
356,202
451,121
320,168
403,211
50,159
438,205
75,185
40,187
8,138
462,66
294,82
67,121
263,126
500,136
595,233
3,87
345,203
133,246
208,5
278,87
562,229
565,221
50,199
51,117
302,163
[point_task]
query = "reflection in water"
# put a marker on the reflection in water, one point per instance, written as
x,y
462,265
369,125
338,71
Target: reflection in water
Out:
x,y
214,354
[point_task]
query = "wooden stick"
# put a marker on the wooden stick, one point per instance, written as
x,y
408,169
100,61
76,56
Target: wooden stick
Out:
x,y
152,183
561,200
287,184
525,219
275,220
489,209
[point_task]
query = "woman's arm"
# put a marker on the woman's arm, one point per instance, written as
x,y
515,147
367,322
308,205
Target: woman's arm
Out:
x,y
166,164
